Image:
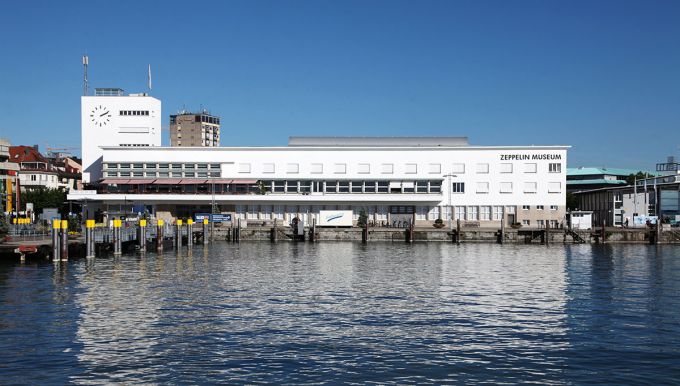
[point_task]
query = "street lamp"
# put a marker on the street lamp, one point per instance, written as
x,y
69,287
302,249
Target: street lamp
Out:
x,y
212,206
450,189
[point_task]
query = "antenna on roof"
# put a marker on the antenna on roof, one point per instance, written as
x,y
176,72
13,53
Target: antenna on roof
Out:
x,y
86,61
149,77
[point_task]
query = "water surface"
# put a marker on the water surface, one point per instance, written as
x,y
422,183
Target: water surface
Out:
x,y
346,313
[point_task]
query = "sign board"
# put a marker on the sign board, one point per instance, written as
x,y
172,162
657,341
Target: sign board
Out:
x,y
50,214
641,221
335,218
29,207
217,217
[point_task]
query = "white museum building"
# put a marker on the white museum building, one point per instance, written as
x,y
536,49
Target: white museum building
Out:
x,y
421,179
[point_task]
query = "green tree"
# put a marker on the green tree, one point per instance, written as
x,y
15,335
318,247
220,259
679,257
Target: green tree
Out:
x,y
363,219
572,202
630,180
4,226
45,198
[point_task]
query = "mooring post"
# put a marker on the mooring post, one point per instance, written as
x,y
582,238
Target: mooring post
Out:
x,y
604,238
312,235
89,238
64,240
205,230
56,227
274,232
238,232
547,232
159,235
364,233
117,244
142,235
458,231
178,233
502,240
190,233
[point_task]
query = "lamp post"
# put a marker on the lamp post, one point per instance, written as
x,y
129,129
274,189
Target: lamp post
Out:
x,y
450,189
212,206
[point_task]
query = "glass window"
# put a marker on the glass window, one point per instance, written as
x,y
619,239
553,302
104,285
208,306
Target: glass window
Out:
x,y
458,187
482,168
331,186
472,213
526,207
292,168
343,186
176,166
340,168
383,186
506,187
506,168
387,168
435,186
539,207
189,174
435,168
292,187
510,209
482,187
124,166
138,166
268,168
460,213
279,186
214,166
530,187
316,168
421,186
555,168
202,166
244,168
163,166
530,168
553,207
485,213
411,168
363,168
554,187
458,168
497,213
369,187
357,187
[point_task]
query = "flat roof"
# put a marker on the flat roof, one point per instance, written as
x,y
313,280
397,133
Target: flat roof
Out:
x,y
378,141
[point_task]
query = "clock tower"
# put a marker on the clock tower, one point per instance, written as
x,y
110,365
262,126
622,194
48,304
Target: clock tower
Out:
x,y
111,118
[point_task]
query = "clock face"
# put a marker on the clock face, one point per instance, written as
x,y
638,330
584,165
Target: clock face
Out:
x,y
100,116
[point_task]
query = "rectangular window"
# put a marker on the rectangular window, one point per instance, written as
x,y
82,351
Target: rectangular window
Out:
x,y
460,213
369,187
214,166
124,166
292,168
291,186
510,209
363,168
435,186
526,207
387,168
540,207
421,186
530,168
553,207
279,186
530,187
458,168
435,168
506,168
485,213
331,187
177,166
316,168
540,223
506,187
526,222
340,168
383,186
482,187
554,187
411,168
555,168
268,168
472,213
458,187
138,166
357,187
497,213
244,168
163,166
482,168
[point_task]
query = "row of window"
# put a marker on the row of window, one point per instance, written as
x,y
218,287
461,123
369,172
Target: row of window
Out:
x,y
409,168
135,113
506,187
174,166
287,186
180,174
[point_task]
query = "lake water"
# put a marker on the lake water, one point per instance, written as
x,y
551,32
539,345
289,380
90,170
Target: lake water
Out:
x,y
346,313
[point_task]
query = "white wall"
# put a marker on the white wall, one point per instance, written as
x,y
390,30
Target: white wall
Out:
x,y
119,130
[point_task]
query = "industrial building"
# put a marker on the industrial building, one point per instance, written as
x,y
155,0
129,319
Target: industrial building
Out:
x,y
194,129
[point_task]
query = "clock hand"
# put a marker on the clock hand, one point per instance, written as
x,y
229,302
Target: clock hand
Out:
x,y
104,114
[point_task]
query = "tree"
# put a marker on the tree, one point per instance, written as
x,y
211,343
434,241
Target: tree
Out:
x,y
630,180
363,219
4,226
572,201
45,198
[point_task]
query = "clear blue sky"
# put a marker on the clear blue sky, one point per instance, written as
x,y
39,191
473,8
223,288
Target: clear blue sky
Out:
x,y
602,76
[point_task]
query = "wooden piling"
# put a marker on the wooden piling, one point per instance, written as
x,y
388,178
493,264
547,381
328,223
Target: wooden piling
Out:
x,y
142,236
178,234
56,241
190,233
458,231
117,244
159,236
89,238
205,230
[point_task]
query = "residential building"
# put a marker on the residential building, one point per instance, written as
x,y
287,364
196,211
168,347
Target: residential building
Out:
x,y
194,129
8,175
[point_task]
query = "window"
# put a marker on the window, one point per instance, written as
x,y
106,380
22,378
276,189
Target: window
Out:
x,y
540,223
510,209
540,207
356,187
202,166
138,166
340,168
553,207
363,168
291,186
458,168
554,223
497,213
343,186
530,187
526,207
458,187
331,187
554,187
188,174
421,186
506,187
555,168
482,187
268,168
460,213
279,186
177,166
316,168
292,168
435,168
369,187
485,213
411,168
214,166
506,168
433,213
383,186
472,213
124,166
530,168
387,168
482,168
526,222
435,186
244,168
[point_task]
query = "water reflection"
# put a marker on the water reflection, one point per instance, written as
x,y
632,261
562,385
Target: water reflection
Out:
x,y
345,312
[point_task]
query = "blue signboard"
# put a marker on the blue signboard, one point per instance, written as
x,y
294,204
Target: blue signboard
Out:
x,y
217,217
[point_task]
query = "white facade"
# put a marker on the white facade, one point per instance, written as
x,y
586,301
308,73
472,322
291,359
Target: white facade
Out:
x,y
126,120
38,179
471,183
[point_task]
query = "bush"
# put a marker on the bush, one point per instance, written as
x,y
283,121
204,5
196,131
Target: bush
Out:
x,y
363,219
438,223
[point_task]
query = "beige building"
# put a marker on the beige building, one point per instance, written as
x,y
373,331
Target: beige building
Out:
x,y
194,129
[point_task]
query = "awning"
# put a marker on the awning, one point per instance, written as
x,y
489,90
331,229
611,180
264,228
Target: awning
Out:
x,y
193,181
243,182
218,181
139,181
167,181
111,181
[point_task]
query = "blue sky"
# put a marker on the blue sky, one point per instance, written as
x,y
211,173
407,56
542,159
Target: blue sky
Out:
x,y
602,76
